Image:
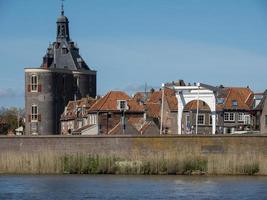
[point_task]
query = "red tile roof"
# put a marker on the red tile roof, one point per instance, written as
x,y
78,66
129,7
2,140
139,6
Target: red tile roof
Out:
x,y
109,103
70,112
192,105
153,109
243,97
169,96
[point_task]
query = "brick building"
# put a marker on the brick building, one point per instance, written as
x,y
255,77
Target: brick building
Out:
x,y
113,114
63,76
234,111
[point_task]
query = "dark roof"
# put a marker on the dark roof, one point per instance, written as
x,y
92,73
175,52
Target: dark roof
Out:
x,y
149,128
79,130
262,102
63,53
129,129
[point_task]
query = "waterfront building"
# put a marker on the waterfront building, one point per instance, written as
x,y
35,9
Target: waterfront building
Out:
x,y
234,111
63,76
75,115
115,109
261,114
113,114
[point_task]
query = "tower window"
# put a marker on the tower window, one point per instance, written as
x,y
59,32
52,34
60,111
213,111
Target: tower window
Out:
x,y
64,50
78,81
34,114
34,83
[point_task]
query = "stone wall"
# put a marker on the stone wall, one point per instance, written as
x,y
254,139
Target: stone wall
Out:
x,y
220,151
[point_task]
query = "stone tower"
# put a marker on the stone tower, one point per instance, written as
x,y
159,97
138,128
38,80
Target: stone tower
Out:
x,y
62,76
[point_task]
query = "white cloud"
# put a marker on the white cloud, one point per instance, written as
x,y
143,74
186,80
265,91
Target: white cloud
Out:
x,y
10,92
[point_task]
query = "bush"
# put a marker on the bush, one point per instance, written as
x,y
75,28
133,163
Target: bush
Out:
x,y
190,166
250,169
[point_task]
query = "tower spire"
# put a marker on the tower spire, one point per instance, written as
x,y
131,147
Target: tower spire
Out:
x,y
62,7
62,25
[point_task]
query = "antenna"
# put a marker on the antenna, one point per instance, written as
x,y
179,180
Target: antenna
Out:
x,y
145,91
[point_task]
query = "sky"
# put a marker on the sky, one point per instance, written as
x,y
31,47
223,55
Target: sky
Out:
x,y
133,43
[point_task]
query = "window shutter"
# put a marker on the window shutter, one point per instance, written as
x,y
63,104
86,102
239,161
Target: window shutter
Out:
x,y
29,88
29,118
39,117
39,88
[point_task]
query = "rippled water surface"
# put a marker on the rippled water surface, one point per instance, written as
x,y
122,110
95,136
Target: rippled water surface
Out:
x,y
131,187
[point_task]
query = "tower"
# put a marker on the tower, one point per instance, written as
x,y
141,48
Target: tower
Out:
x,y
62,76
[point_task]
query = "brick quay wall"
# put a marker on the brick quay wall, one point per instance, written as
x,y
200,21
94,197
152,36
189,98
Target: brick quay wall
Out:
x,y
224,154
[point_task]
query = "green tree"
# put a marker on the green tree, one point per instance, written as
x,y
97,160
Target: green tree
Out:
x,y
10,119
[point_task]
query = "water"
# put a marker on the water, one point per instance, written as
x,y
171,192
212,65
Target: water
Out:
x,y
131,187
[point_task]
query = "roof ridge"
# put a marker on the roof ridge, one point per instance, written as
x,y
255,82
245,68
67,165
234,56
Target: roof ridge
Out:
x,y
248,96
114,127
105,100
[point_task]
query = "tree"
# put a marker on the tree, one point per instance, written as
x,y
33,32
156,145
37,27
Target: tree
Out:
x,y
10,119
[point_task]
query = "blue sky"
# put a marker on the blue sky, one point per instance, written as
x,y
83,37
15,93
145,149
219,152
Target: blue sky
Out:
x,y
131,43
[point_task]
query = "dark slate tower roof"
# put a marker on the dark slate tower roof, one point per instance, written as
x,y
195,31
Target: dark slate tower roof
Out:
x,y
63,53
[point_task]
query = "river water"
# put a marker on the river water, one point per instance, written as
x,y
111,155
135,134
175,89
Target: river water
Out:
x,y
131,187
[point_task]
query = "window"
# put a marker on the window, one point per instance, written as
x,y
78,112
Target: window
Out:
x,y
210,121
122,105
247,119
240,117
77,82
228,116
64,50
92,119
201,120
234,103
187,120
34,83
34,115
220,100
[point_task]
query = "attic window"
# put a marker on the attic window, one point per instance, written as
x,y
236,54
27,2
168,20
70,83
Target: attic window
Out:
x,y
234,103
122,105
220,100
64,50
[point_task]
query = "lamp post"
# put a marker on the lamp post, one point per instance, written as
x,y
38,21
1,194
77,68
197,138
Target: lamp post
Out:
x,y
161,114
198,85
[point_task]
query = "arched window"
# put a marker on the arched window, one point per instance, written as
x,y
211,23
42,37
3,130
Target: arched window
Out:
x,y
34,83
34,113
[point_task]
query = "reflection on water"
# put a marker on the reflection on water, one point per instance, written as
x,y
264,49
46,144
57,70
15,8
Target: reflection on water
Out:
x,y
131,187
